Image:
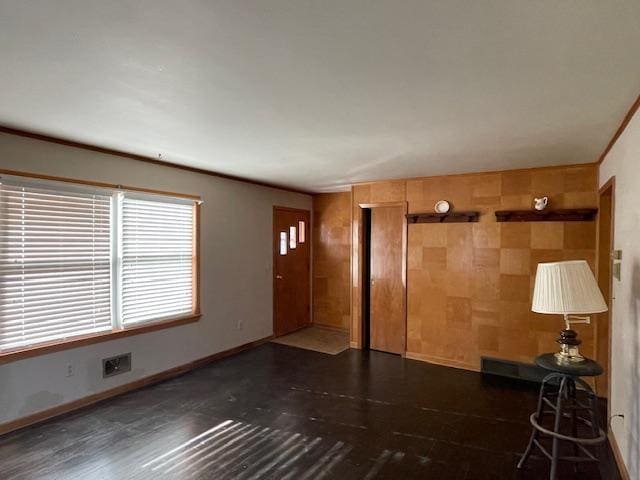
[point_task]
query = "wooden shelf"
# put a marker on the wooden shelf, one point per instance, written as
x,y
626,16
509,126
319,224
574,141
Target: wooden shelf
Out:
x,y
564,215
451,217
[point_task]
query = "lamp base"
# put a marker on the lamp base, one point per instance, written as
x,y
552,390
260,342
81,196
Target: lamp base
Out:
x,y
569,352
564,358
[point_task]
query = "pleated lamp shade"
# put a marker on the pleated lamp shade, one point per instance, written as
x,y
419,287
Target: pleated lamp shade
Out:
x,y
567,288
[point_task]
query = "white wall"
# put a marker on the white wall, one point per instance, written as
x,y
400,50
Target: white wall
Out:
x,y
236,276
623,162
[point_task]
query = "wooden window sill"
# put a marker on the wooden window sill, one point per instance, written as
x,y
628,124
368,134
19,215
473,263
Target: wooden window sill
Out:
x,y
81,341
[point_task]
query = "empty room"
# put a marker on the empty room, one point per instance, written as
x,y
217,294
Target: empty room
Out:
x,y
310,239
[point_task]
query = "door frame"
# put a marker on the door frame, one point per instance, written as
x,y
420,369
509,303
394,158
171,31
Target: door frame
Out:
x,y
359,269
610,185
308,240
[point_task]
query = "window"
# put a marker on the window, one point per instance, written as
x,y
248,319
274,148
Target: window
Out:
x,y
55,264
283,243
77,261
292,238
157,260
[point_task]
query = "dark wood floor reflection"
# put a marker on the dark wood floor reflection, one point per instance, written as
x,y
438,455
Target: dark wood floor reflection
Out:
x,y
282,412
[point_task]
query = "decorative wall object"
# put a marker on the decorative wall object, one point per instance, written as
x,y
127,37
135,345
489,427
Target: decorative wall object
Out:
x,y
442,206
540,203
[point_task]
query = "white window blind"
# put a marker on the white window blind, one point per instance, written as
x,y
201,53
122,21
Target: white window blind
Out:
x,y
55,264
157,258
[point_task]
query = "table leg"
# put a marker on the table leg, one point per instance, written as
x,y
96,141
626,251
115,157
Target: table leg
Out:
x,y
556,443
574,419
534,432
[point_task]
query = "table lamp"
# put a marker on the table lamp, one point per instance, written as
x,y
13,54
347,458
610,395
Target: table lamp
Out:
x,y
568,289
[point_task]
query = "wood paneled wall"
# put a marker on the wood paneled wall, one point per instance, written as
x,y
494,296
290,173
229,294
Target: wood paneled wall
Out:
x,y
331,260
469,286
379,192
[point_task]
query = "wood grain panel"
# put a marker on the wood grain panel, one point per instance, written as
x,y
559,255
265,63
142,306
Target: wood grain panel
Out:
x,y
469,286
332,259
487,279
387,317
362,195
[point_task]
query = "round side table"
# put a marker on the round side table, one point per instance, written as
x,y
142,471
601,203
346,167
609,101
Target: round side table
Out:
x,y
567,411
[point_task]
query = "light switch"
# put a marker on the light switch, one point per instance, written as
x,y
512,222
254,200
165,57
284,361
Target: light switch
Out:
x,y
616,269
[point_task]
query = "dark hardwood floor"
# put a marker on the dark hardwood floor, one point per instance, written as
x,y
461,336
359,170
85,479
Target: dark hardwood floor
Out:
x,y
282,412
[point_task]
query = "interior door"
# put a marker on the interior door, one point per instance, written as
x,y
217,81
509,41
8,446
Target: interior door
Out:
x,y
605,264
291,262
387,304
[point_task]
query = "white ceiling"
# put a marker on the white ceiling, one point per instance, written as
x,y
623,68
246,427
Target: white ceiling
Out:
x,y
320,94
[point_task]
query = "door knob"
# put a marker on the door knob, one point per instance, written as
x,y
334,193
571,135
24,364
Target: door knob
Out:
x,y
279,277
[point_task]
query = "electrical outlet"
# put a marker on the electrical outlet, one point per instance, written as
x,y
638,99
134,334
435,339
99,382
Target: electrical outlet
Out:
x,y
620,416
239,325
69,370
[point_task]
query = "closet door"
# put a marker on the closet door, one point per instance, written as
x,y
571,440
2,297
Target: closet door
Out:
x,y
387,293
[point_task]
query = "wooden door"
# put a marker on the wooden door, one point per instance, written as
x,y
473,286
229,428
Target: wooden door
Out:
x,y
604,268
387,304
291,268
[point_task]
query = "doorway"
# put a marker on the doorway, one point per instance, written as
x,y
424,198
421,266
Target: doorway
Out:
x,y
605,278
291,270
384,277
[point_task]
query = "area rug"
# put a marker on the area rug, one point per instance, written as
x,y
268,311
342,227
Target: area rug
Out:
x,y
318,339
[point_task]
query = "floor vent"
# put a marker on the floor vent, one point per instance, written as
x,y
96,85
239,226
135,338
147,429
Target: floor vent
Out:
x,y
116,365
511,369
